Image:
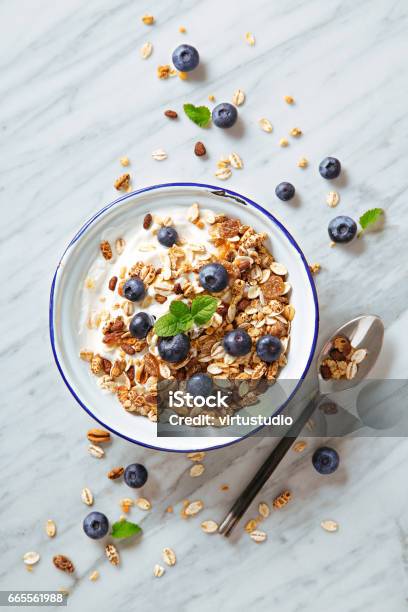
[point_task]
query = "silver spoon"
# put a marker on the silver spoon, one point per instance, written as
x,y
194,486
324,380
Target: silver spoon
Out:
x,y
366,331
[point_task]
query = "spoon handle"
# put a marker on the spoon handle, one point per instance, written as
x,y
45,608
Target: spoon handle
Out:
x,y
265,471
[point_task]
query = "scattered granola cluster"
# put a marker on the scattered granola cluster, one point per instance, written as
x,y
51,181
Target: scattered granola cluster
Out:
x,y
255,300
342,361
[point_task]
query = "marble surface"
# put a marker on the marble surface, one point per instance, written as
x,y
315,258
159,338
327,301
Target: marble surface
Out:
x,y
75,98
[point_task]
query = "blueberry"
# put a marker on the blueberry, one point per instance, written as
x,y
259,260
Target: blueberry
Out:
x,y
342,229
134,289
167,236
285,191
140,325
213,277
330,168
237,342
200,384
174,348
269,348
96,525
325,460
185,58
224,115
135,475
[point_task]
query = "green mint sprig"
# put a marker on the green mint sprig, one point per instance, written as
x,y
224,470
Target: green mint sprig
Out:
x,y
180,317
370,217
200,115
124,529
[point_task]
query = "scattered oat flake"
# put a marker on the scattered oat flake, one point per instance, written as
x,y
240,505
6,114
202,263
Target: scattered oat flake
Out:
x,y
158,571
236,161
143,503
169,556
329,525
86,496
332,199
258,536
264,509
238,97
300,446
112,554
197,456
197,470
265,125
251,525
50,528
146,50
223,174
284,142
359,355
303,162
209,526
148,19
193,508
96,451
89,283
31,558
289,100
94,576
250,39
159,155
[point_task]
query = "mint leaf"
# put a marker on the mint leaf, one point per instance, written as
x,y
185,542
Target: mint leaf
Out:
x,y
167,325
124,529
203,308
370,217
200,115
179,309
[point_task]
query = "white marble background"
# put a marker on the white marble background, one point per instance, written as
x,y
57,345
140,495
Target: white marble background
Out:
x,y
75,96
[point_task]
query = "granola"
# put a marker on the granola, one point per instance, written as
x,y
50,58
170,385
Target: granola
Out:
x,y
342,360
256,300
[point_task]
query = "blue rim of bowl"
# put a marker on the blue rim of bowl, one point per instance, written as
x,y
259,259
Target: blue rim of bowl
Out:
x,y
219,191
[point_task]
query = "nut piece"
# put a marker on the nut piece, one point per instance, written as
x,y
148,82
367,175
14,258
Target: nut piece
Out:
x,y
31,558
296,132
329,525
112,554
124,161
106,250
94,576
86,496
209,526
63,563
199,149
171,114
148,19
238,98
143,503
99,436
289,100
265,125
169,556
126,504
282,499
122,183
315,268
116,473
158,571
50,528
147,221
332,199
112,283
303,163
197,470
258,536
198,456
284,142
300,446
96,451
146,50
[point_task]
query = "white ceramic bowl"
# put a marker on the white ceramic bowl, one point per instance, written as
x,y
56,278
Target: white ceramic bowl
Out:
x,y
131,209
